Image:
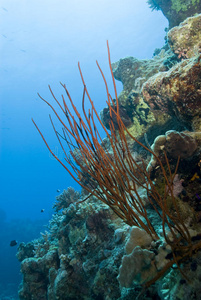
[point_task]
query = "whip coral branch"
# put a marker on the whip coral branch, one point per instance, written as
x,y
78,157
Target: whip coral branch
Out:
x,y
114,176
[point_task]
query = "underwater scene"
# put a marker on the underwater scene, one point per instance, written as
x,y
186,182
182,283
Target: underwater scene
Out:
x,y
100,150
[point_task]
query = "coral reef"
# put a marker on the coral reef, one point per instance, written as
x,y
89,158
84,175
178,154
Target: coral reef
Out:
x,y
142,213
164,90
90,253
66,198
77,262
133,73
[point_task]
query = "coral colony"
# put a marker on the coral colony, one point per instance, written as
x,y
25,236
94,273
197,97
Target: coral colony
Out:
x,y
134,231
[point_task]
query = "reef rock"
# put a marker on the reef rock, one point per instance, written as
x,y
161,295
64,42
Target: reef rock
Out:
x,y
175,144
163,93
177,92
185,39
133,72
105,116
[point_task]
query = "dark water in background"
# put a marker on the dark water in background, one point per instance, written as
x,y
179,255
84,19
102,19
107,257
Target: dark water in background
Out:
x,y
23,230
40,44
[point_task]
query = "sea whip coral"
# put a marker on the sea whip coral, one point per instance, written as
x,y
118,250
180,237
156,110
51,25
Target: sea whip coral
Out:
x,y
115,179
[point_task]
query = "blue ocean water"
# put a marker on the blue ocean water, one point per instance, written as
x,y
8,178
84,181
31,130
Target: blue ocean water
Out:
x,y
40,44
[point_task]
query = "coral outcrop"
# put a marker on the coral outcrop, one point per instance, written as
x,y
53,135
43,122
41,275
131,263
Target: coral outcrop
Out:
x,y
75,259
164,92
176,144
89,253
184,40
177,93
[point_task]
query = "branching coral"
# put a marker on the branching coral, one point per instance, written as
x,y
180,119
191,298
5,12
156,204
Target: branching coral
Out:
x,y
66,198
114,176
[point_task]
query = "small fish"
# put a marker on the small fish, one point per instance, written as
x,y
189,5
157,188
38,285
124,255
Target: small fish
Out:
x,y
58,191
13,243
42,210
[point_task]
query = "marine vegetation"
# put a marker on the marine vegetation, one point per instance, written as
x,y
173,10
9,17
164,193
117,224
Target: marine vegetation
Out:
x,y
113,175
176,11
153,5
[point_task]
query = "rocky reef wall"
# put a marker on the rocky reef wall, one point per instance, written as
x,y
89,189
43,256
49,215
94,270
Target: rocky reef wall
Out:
x,y
90,253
